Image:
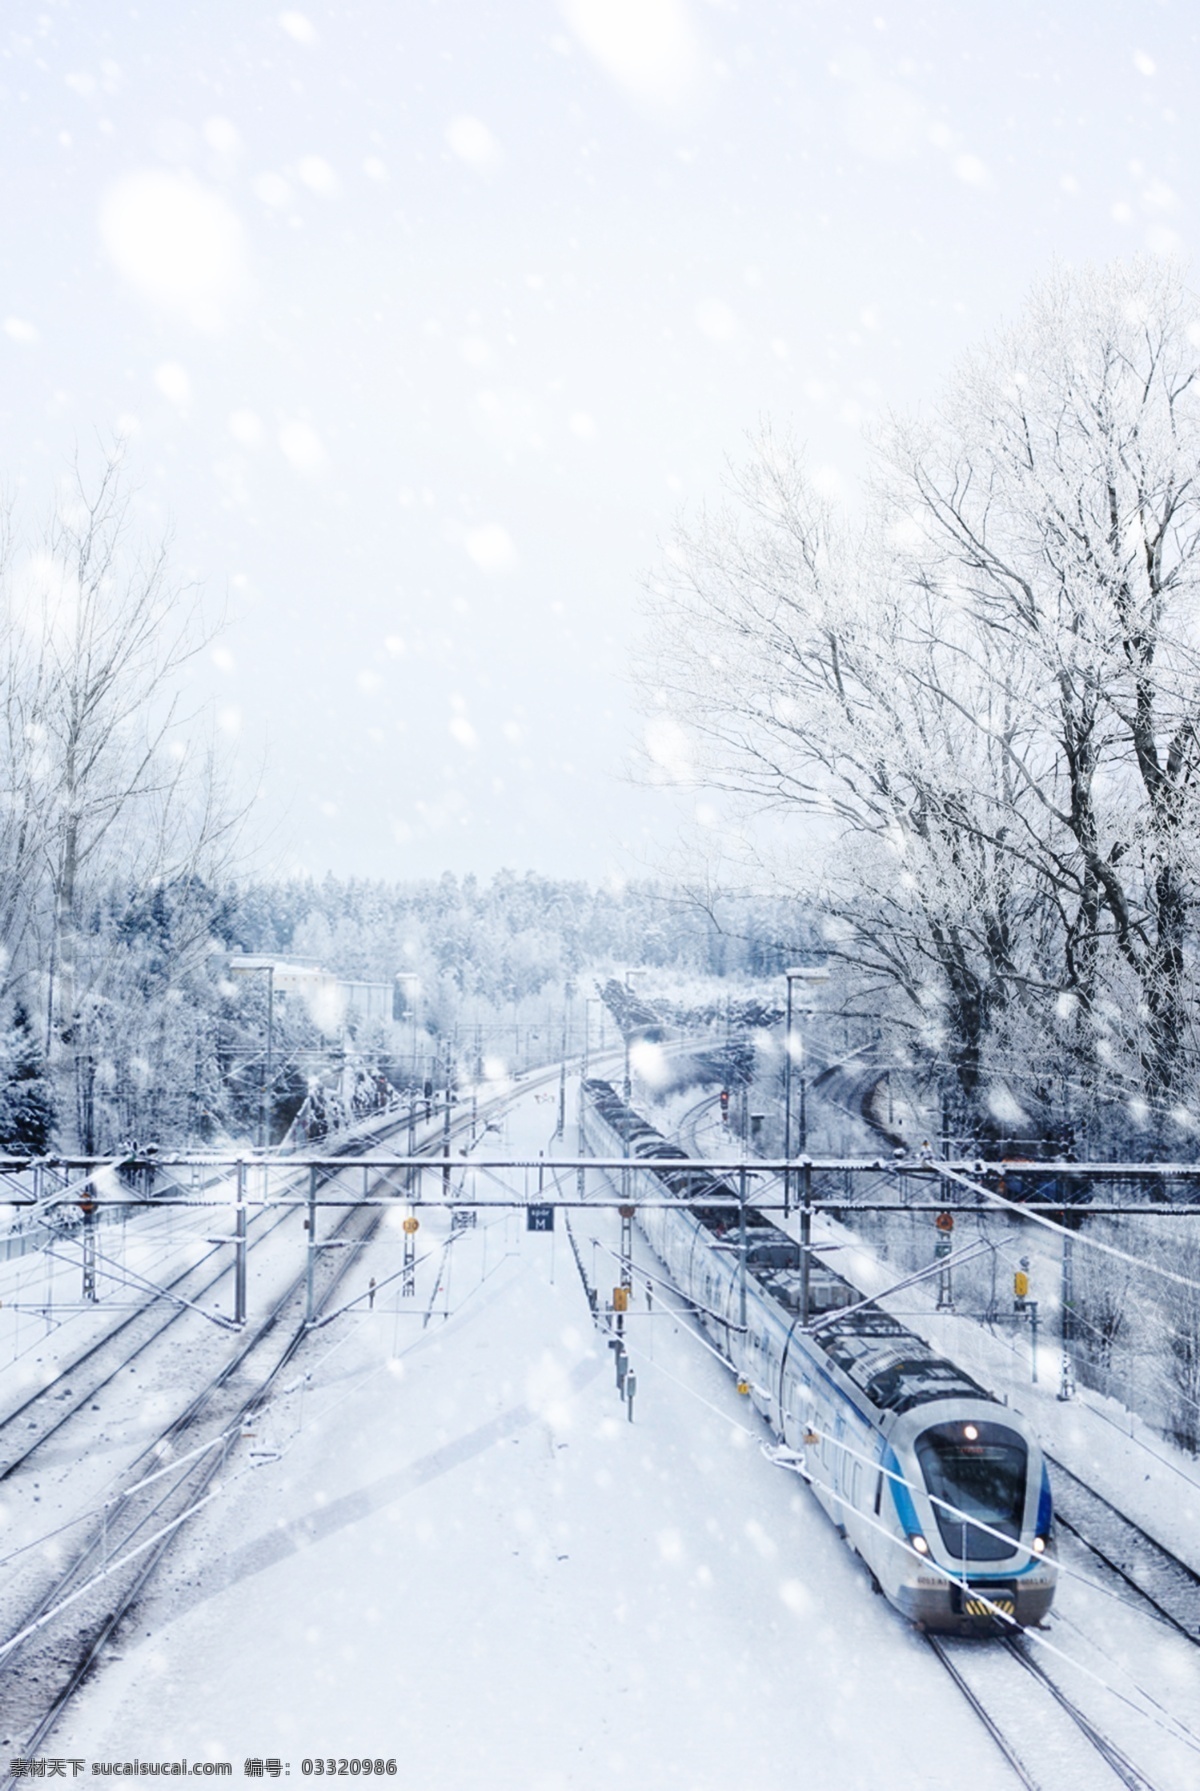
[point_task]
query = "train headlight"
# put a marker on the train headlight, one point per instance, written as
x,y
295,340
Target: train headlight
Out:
x,y
1039,1545
920,1544
970,1432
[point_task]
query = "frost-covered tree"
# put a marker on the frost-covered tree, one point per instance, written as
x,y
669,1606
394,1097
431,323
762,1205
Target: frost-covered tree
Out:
x,y
106,799
27,1101
982,696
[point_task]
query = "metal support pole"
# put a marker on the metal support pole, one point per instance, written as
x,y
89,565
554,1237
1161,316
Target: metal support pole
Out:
x,y
1066,1385
89,1257
446,1132
266,1073
310,1311
742,1248
626,1281
239,1249
562,1079
805,1238
803,1140
627,1247
787,1104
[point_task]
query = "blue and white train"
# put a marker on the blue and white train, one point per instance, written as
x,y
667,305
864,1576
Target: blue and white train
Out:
x,y
940,1488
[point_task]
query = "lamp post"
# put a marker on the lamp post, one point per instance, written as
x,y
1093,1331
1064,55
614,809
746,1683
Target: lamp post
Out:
x,y
588,1003
404,1005
793,1047
631,971
266,1078
568,993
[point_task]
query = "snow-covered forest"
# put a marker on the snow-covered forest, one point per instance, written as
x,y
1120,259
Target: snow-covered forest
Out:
x,y
121,903
972,700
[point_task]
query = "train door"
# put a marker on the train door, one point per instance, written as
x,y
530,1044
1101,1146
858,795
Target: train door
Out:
x,y
840,1466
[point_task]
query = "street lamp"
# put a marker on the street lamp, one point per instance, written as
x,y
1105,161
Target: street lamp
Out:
x,y
793,1047
631,971
406,983
266,1079
590,1002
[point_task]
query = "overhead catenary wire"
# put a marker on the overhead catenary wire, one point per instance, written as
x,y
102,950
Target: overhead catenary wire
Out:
x,y
1172,1724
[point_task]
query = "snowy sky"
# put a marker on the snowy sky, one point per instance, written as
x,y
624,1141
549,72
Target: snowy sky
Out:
x,y
424,321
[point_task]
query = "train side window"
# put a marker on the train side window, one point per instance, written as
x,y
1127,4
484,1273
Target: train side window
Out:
x,y
878,1492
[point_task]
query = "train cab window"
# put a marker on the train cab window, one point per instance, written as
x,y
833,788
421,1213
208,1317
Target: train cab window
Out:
x,y
979,1470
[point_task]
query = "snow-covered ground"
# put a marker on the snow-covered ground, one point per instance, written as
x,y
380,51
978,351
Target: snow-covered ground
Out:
x,y
445,1544
456,1551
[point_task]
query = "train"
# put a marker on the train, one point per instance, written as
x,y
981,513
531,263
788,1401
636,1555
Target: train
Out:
x,y
939,1486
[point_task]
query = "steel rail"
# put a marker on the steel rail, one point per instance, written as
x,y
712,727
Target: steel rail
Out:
x,y
1113,1756
980,1708
193,1484
1178,1601
42,1395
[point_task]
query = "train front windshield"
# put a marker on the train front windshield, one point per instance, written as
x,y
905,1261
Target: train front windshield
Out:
x,y
978,1470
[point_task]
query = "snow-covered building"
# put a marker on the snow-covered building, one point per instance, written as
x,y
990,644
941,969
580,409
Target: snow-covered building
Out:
x,y
331,1000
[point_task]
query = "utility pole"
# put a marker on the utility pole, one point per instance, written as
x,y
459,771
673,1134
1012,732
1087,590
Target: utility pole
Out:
x,y
630,972
309,1301
793,1050
805,1239
269,1067
626,1281
446,1130
89,1253
742,1249
562,1080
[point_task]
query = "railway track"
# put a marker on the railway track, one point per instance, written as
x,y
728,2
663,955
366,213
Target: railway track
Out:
x,y
63,1633
1038,1736
1160,1578
45,1413
69,1615
1034,1745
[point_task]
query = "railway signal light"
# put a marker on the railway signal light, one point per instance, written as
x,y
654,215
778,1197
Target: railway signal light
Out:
x,y
725,1105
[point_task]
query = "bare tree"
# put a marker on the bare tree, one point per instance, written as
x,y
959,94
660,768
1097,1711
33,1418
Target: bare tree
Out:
x,y
1055,498
103,787
982,696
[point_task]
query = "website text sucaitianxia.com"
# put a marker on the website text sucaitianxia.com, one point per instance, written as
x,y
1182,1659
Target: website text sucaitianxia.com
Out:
x,y
253,1767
